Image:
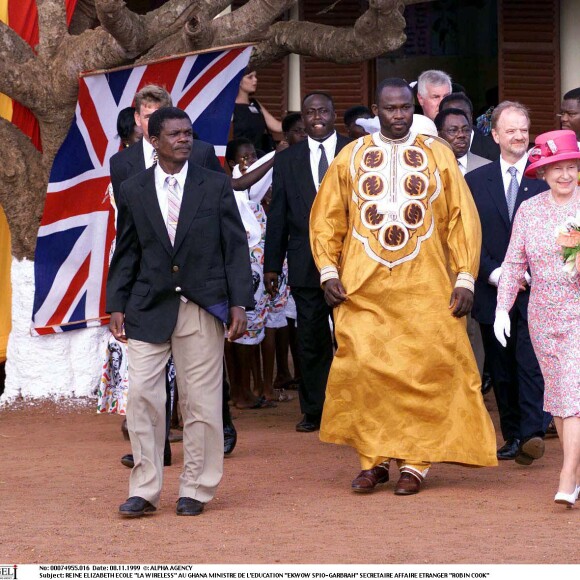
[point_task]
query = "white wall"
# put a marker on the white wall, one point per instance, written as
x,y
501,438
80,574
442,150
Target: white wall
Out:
x,y
66,364
569,44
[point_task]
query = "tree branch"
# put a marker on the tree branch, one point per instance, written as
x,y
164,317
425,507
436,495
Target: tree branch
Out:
x,y
17,59
380,29
266,52
52,29
136,33
84,17
21,171
124,25
13,49
214,7
248,22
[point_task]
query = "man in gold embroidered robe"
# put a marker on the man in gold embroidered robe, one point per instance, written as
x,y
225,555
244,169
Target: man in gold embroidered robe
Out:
x,y
396,237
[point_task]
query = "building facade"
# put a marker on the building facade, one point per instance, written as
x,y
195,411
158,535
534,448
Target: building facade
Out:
x,y
522,50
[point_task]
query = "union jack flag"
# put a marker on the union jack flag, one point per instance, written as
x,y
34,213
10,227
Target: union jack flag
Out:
x,y
78,224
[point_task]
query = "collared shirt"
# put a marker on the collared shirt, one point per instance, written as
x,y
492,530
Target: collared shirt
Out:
x,y
161,187
329,145
148,153
462,162
505,174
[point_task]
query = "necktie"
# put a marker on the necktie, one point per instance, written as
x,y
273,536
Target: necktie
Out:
x,y
512,191
322,164
173,207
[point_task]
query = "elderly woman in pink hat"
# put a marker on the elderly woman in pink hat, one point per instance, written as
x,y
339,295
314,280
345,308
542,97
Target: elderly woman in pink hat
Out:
x,y
554,309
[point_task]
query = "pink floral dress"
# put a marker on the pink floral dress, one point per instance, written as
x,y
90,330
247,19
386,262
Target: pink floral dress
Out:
x,y
554,308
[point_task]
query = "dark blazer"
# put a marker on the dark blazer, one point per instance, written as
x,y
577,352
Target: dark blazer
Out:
x,y
484,146
131,161
209,263
293,193
486,185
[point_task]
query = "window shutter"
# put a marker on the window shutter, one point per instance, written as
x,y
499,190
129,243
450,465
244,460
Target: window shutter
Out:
x,y
529,58
273,87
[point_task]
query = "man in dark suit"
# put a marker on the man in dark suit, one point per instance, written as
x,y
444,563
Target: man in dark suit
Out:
x,y
480,144
298,172
132,161
179,272
498,190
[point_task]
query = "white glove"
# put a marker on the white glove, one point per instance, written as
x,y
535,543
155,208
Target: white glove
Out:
x,y
502,326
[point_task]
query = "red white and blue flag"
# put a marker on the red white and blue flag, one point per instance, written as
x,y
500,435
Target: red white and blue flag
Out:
x,y
77,227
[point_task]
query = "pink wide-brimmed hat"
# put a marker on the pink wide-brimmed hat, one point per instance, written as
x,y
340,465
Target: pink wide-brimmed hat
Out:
x,y
552,147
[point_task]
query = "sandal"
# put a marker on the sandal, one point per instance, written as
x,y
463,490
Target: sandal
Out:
x,y
261,403
282,396
266,403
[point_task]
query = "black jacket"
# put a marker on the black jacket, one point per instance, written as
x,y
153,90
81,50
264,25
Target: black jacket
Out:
x,y
209,263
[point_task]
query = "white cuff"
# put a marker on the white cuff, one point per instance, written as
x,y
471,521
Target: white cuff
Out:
x,y
328,273
494,277
465,280
528,278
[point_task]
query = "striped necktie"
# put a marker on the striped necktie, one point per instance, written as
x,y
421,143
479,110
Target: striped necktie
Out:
x,y
512,191
174,204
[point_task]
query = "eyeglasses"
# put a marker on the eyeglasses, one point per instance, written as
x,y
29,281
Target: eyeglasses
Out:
x,y
454,131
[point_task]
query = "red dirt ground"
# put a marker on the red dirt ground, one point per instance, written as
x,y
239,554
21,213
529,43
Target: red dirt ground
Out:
x,y
285,498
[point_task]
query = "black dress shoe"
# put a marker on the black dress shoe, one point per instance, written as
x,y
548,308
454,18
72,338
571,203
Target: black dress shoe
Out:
x,y
135,507
230,438
530,449
308,424
509,450
187,506
128,461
